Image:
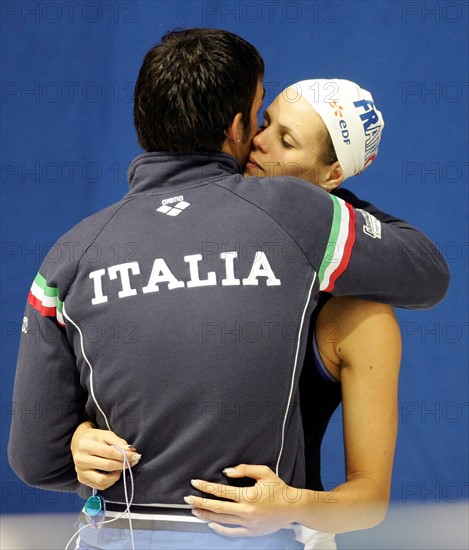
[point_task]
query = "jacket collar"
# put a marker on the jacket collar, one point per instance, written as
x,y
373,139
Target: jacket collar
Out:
x,y
154,171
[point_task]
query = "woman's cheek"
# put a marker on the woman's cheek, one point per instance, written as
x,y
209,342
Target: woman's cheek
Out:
x,y
292,169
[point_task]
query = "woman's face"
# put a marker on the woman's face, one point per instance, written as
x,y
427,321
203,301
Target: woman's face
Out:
x,y
290,142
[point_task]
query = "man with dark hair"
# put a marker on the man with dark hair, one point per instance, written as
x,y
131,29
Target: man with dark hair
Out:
x,y
191,87
202,328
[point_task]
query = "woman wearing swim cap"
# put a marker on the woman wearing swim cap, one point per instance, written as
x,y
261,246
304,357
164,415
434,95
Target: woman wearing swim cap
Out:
x,y
323,131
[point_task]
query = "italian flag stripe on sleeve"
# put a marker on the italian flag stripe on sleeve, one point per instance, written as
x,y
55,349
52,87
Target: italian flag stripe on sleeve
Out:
x,y
339,246
45,299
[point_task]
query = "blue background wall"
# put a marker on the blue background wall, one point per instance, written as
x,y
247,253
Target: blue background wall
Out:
x,y
67,138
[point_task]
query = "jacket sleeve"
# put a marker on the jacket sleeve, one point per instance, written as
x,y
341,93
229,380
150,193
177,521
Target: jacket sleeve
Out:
x,y
50,395
409,270
48,400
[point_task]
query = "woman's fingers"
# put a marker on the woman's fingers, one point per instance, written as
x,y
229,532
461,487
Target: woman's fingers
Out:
x,y
254,471
211,505
226,519
217,489
98,480
105,457
87,462
103,450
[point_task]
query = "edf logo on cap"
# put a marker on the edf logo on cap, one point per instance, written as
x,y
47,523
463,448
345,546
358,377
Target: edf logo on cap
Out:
x,y
343,125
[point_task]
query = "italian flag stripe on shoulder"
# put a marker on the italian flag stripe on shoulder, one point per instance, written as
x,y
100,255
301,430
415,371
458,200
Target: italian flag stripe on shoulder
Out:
x,y
339,246
45,299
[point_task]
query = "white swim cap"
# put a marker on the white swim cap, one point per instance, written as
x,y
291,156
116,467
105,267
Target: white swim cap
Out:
x,y
349,113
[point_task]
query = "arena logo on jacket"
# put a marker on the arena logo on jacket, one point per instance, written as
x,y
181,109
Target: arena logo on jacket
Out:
x,y
179,206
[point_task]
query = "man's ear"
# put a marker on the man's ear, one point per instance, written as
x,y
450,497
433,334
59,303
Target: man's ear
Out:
x,y
234,135
335,176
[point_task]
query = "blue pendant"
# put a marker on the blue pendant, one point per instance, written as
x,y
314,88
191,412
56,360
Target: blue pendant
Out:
x,y
93,505
95,509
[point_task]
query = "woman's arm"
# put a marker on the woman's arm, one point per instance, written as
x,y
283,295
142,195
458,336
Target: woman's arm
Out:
x,y
360,343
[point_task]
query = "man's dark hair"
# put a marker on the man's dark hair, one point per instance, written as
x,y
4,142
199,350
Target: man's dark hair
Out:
x,y
191,86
